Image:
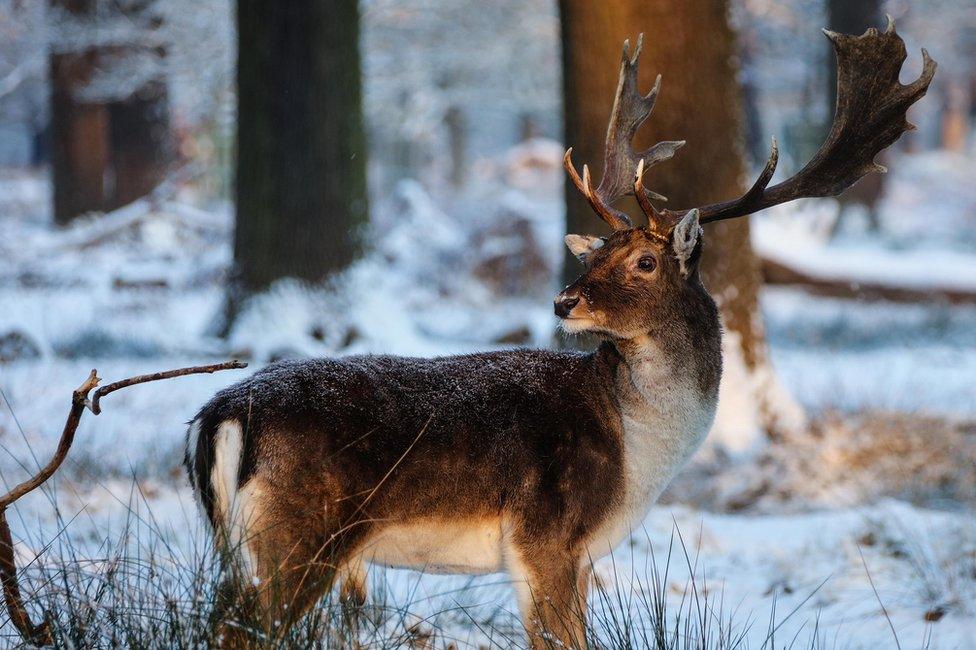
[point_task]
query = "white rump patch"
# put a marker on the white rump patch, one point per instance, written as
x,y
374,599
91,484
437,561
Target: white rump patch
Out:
x,y
235,509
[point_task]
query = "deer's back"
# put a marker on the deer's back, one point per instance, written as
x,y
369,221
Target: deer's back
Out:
x,y
472,434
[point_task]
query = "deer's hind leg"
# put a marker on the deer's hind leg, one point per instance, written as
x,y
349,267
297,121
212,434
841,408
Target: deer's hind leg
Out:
x,y
284,562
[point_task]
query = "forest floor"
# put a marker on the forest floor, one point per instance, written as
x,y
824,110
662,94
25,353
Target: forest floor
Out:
x,y
853,533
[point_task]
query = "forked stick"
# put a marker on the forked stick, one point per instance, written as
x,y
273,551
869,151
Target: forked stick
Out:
x,y
40,635
156,376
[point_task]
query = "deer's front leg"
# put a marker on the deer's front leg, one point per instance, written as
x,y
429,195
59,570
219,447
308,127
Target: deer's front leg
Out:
x,y
551,587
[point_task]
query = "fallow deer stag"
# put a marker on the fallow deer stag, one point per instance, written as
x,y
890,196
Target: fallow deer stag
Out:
x,y
532,462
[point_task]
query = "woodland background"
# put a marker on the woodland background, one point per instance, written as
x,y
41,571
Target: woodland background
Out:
x,y
187,181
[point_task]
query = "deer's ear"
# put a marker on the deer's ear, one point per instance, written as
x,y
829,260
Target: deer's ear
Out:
x,y
582,245
685,238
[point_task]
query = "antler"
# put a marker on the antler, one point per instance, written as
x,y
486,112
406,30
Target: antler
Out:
x,y
621,162
40,634
870,115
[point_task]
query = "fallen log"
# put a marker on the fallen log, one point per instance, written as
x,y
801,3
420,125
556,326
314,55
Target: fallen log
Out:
x,y
778,273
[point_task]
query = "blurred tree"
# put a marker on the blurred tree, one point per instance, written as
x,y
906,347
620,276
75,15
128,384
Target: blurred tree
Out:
x,y
79,128
693,46
301,168
141,142
141,137
110,128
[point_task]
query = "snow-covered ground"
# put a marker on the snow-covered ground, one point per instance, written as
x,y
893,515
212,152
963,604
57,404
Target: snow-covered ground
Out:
x,y
140,291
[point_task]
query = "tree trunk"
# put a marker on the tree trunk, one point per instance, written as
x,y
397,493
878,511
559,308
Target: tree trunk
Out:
x,y
954,122
692,45
457,145
79,131
301,168
126,141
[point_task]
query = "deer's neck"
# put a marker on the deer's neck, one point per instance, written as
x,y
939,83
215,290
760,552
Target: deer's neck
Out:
x,y
666,401
664,378
667,392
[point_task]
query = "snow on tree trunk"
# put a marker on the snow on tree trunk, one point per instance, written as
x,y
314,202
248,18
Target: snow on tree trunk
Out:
x,y
692,45
110,118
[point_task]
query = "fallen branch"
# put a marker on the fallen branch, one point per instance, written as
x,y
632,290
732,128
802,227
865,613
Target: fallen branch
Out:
x,y
40,634
776,272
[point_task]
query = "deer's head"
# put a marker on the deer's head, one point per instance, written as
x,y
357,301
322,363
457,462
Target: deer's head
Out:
x,y
632,278
638,277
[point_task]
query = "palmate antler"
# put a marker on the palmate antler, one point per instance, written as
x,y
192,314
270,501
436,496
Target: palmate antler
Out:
x,y
40,634
621,162
870,115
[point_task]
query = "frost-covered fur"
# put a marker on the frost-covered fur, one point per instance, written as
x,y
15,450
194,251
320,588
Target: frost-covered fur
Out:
x,y
534,462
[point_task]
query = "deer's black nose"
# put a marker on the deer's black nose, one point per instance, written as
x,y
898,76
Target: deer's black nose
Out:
x,y
564,305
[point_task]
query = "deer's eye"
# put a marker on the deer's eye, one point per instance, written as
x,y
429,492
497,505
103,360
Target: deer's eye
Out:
x,y
647,263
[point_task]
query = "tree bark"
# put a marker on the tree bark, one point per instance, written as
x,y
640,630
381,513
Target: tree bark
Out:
x,y
301,168
692,45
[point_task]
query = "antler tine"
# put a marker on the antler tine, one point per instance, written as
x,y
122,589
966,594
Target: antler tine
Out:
x,y
614,218
620,162
655,220
870,115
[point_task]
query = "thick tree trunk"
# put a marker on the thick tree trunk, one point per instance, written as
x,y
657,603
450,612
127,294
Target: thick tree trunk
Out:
x,y
141,134
692,45
79,132
301,169
79,144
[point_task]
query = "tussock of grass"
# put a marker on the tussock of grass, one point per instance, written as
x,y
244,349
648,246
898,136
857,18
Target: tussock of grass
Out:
x,y
140,590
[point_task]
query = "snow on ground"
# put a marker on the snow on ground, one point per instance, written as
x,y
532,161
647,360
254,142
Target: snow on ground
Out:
x,y
878,355
140,290
841,354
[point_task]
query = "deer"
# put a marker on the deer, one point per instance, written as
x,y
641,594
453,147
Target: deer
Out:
x,y
531,462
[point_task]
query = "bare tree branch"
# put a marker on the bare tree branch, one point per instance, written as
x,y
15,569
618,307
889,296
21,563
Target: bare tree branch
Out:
x,y
40,634
24,71
156,376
